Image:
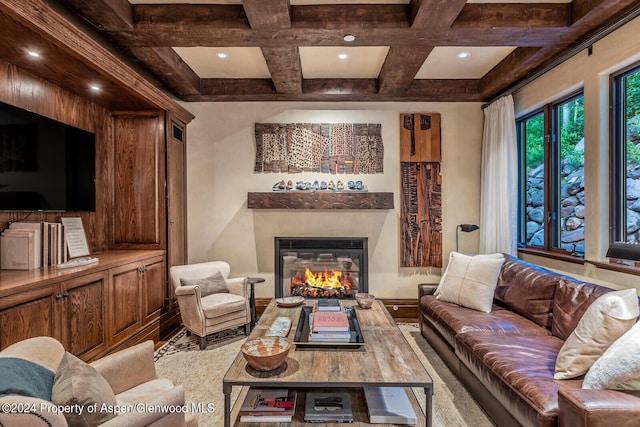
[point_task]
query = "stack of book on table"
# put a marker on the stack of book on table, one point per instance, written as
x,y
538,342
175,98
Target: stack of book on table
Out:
x,y
328,408
268,405
329,326
389,405
328,304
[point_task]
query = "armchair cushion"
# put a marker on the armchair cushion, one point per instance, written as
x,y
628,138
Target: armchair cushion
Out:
x,y
213,284
221,304
78,383
25,378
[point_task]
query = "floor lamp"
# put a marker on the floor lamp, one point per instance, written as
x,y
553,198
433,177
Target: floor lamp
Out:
x,y
467,228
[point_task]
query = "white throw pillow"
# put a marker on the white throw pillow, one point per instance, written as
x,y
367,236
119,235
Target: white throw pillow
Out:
x,y
619,367
470,281
606,320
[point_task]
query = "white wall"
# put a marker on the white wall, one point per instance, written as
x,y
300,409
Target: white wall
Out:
x,y
590,72
220,160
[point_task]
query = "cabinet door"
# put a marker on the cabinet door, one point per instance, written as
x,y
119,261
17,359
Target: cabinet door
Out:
x,y
29,314
83,315
153,285
138,220
124,301
176,194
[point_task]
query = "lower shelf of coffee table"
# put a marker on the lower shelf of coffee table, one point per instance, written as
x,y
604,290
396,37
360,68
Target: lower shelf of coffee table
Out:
x,y
358,405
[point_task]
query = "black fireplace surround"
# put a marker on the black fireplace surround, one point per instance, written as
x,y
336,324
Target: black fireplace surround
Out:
x,y
341,260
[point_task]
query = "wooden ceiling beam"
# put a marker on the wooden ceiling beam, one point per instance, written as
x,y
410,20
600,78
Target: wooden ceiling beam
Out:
x,y
165,63
400,68
350,16
285,68
435,13
515,67
220,90
268,13
180,17
283,62
320,37
478,15
524,61
104,14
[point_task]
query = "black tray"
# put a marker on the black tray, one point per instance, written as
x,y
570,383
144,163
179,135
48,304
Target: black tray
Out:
x,y
301,338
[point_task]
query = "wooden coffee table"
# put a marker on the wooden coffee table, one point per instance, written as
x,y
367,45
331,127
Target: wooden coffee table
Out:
x,y
386,359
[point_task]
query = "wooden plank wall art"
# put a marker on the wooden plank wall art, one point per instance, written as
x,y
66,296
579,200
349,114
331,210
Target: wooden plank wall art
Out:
x,y
319,147
421,212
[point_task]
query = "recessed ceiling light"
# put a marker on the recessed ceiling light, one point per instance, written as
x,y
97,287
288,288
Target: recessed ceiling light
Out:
x,y
464,54
33,53
343,56
222,55
349,37
94,88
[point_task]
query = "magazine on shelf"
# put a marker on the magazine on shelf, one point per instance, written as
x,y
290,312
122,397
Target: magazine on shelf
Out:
x,y
269,402
328,407
389,405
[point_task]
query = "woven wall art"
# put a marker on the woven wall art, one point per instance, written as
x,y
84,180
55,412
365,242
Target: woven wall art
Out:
x,y
319,147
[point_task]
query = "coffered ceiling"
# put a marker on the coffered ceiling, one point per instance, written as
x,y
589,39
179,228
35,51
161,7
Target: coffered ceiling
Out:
x,y
402,50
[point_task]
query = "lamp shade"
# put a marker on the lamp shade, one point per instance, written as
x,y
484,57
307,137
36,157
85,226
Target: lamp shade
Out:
x,y
468,227
622,250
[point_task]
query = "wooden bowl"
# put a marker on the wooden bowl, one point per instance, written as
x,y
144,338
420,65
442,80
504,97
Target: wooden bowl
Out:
x,y
266,353
365,300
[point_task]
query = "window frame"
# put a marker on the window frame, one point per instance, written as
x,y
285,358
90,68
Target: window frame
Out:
x,y
617,149
552,246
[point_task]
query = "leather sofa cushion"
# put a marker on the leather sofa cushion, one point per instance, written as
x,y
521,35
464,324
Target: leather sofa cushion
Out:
x,y
523,364
571,301
528,289
451,319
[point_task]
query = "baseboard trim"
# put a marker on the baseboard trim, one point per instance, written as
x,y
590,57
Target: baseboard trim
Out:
x,y
402,310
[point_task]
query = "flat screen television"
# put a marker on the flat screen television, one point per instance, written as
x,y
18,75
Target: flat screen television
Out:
x,y
45,165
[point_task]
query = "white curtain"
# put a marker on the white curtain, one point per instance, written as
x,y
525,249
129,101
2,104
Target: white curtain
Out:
x,y
499,179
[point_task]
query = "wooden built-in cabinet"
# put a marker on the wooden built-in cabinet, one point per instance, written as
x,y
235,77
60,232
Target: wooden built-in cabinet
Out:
x,y
139,220
142,281
72,311
138,216
91,309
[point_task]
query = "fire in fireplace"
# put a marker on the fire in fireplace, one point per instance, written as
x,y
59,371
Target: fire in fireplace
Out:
x,y
321,267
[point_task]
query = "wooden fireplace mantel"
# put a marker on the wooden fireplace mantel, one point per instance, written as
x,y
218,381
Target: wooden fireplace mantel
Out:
x,y
319,200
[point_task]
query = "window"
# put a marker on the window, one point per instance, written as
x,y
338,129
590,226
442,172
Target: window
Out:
x,y
551,196
626,156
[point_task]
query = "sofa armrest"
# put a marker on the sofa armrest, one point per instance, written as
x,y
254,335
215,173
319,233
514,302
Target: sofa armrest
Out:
x,y
598,408
128,368
146,414
426,289
27,411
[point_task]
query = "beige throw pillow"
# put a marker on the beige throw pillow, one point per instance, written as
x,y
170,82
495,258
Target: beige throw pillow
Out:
x,y
213,284
619,367
470,281
606,320
78,383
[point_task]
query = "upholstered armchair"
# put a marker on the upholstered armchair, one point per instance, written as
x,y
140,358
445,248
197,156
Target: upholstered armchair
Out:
x,y
124,382
204,314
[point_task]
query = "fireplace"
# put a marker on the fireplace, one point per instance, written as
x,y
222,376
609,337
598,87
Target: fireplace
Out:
x,y
321,267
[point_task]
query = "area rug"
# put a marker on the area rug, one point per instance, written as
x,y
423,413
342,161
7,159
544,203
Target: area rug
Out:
x,y
201,371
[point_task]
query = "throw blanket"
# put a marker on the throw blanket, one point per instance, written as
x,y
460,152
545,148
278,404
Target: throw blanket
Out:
x,y
25,378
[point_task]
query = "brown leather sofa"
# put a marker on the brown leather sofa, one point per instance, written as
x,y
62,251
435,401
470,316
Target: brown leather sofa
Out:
x,y
506,358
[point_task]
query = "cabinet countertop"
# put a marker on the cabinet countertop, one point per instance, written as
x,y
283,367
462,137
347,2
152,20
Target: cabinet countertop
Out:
x,y
15,281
